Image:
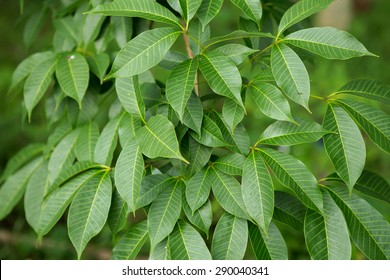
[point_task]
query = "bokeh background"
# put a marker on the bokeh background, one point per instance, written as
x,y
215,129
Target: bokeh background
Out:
x,y
367,20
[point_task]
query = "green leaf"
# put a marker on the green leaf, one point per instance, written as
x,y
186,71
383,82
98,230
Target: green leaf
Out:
x,y
193,113
198,156
208,10
258,190
198,189
151,187
164,212
67,28
230,164
300,11
123,29
228,193
185,243
367,89
267,247
328,42
158,139
222,76
270,100
237,53
131,242
189,8
180,85
34,25
238,34
72,73
143,52
129,93
326,235
201,218
91,28
160,251
175,4
294,175
286,133
251,8
290,74
374,122
197,36
232,114
230,238
289,210
368,229
89,211
211,135
345,148
86,142
172,59
128,127
147,9
37,83
373,185
98,64
117,217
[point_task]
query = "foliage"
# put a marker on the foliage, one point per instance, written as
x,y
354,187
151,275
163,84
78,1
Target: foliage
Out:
x,y
127,140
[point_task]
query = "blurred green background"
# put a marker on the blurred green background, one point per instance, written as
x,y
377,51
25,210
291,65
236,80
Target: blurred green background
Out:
x,y
369,23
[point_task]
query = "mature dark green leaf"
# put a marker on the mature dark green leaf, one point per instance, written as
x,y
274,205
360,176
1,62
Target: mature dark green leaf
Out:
x,y
151,187
211,135
193,114
373,185
232,114
201,218
367,89
235,52
251,8
230,164
117,217
98,64
208,10
198,189
289,210
130,95
189,8
198,156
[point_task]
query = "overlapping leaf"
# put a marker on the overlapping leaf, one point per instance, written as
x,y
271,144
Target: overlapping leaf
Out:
x,y
289,210
251,8
235,52
198,156
208,10
230,164
193,113
189,8
232,114
201,218
86,142
130,95
367,89
161,251
211,135
151,187
198,189
117,216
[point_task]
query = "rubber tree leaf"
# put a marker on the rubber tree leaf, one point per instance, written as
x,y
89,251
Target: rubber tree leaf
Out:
x,y
289,210
151,187
198,156
270,100
368,229
198,189
290,74
327,236
34,25
180,85
208,10
185,243
222,76
158,139
143,52
117,217
147,9
300,11
86,142
373,185
251,8
211,135
67,28
127,129
193,113
258,190
123,29
89,211
172,59
128,174
130,95
367,89
91,28
197,36
131,242
294,175
228,193
267,247
232,114
345,148
189,8
164,212
237,53
282,133
238,34
160,251
230,238
201,218
98,64
327,42
373,121
230,164
175,4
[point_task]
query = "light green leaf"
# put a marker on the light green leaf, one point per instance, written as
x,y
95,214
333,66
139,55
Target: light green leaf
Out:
x,y
367,89
123,29
164,212
158,139
208,10
286,133
147,9
86,142
193,114
128,127
160,251
270,100
345,148
98,64
258,190
172,59
175,4
143,52
251,8
201,218
180,85
328,42
232,114
92,25
374,122
130,95
185,243
189,8
151,187
267,247
131,242
230,164
294,175
289,210
230,238
235,52
326,235
300,11
368,229
290,74
117,217
89,210
222,76
198,189
211,135
198,156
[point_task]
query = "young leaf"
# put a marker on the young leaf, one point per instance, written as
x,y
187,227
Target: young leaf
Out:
x,y
290,74
198,156
237,53
143,52
193,114
189,8
293,174
89,211
117,216
185,243
130,95
232,114
198,189
327,236
367,89
230,164
131,242
230,238
251,8
289,210
158,139
98,64
201,218
345,148
327,42
151,187
211,135
208,10
258,190
128,174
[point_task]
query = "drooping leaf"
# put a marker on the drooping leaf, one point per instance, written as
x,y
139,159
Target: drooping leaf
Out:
x,y
131,242
294,175
208,10
230,164
117,216
130,95
185,243
232,114
201,218
89,211
345,148
289,210
251,8
235,52
151,187
198,156
230,238
367,89
211,135
189,8
98,64
193,113
290,74
198,189
123,29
